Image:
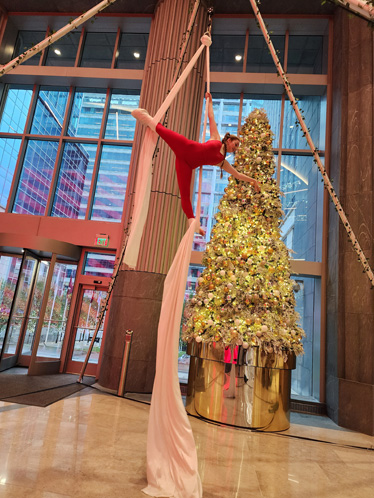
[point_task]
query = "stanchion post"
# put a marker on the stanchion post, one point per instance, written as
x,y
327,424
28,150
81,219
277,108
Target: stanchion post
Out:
x,y
125,362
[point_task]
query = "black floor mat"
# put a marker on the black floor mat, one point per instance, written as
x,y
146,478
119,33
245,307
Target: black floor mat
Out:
x,y
39,390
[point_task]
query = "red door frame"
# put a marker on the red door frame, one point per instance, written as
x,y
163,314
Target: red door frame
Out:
x,y
74,366
68,365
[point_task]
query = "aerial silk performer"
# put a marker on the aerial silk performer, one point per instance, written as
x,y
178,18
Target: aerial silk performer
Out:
x,y
189,154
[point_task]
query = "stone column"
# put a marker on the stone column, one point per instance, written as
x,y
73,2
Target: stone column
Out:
x,y
350,320
136,299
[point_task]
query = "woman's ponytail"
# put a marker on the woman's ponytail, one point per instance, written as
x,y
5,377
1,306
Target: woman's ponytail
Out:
x,y
224,140
227,135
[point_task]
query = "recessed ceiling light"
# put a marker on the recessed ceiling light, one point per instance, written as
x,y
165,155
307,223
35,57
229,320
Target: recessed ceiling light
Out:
x,y
238,58
57,51
136,55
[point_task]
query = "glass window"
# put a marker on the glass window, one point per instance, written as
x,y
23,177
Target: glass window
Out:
x,y
74,181
120,124
86,113
259,59
98,50
99,264
64,51
132,51
272,105
226,53
26,40
111,183
226,114
9,149
313,108
302,205
49,111
35,181
14,109
305,379
305,54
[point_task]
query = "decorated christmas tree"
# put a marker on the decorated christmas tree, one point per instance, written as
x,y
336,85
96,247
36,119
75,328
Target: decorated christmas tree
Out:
x,y
245,294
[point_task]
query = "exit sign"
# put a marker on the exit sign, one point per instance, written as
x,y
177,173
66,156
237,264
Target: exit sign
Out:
x,y
102,240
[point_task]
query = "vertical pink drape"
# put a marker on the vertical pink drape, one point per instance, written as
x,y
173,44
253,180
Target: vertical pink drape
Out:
x,y
172,468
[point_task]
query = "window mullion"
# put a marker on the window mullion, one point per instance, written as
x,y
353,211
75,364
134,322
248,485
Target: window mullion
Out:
x,y
98,156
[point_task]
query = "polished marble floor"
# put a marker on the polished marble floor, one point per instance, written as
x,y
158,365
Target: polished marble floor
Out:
x,y
93,444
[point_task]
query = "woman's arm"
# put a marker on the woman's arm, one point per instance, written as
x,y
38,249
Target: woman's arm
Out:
x,y
214,135
240,176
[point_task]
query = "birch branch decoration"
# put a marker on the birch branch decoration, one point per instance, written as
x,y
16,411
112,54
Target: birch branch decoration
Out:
x,y
7,68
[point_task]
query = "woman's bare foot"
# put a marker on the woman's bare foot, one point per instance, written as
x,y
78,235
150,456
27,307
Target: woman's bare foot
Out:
x,y
143,117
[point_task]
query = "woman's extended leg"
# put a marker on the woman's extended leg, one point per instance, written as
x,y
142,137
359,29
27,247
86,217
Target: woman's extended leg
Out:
x,y
184,176
178,143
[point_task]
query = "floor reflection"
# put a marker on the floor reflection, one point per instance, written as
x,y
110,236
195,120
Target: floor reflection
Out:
x,y
93,444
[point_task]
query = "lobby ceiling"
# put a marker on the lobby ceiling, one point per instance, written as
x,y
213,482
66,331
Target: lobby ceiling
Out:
x,y
287,7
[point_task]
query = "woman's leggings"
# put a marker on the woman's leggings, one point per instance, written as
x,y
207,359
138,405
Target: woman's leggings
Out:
x,y
183,149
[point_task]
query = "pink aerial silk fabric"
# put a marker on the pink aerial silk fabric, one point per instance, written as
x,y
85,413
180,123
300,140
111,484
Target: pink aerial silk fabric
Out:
x,y
172,468
142,196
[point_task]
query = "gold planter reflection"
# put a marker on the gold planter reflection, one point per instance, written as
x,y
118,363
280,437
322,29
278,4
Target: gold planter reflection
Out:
x,y
244,388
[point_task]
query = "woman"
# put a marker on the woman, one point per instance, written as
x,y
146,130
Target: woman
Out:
x,y
190,154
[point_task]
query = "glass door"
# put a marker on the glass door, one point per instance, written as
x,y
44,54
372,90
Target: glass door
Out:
x,y
87,312
33,314
15,328
9,273
56,313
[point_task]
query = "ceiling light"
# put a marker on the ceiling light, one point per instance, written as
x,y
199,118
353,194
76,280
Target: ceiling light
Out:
x,y
57,51
238,58
136,55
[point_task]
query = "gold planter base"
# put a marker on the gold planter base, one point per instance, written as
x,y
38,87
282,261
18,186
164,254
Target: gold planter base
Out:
x,y
254,392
